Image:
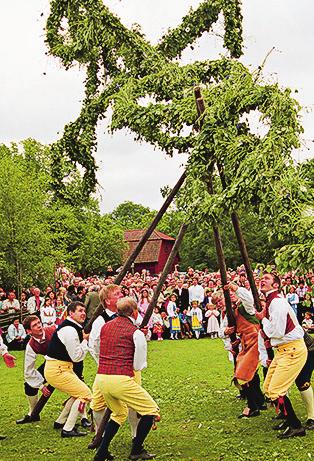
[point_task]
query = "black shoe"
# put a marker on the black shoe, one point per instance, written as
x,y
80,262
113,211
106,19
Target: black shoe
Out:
x,y
57,425
309,424
291,432
251,414
73,433
283,425
262,407
94,444
279,416
27,419
85,423
2,437
142,455
108,456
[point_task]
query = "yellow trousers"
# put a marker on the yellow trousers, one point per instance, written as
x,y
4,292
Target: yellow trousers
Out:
x,y
98,400
61,376
121,392
288,362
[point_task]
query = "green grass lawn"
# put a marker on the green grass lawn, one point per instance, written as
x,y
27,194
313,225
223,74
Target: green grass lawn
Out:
x,y
190,380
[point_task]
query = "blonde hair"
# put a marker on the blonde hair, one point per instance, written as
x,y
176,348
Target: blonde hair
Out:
x,y
106,291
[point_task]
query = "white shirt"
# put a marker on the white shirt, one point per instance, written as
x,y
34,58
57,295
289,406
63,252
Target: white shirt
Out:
x,y
31,375
196,293
11,306
48,315
140,352
94,336
69,337
3,347
13,332
31,304
275,326
247,300
196,311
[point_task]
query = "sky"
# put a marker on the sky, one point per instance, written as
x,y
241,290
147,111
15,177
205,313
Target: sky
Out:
x,y
38,96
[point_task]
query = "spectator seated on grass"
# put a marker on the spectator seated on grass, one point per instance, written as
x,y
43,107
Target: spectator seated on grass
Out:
x,y
15,336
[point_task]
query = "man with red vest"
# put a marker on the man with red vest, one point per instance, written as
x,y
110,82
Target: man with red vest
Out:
x,y
34,377
123,349
286,336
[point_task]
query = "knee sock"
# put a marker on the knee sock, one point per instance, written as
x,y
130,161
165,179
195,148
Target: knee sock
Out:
x,y
250,396
133,421
292,419
66,410
111,430
98,416
308,399
32,400
143,428
256,385
197,334
71,419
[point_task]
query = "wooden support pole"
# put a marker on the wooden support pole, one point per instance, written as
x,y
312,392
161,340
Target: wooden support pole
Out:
x,y
164,274
242,245
218,242
234,216
40,404
149,231
127,265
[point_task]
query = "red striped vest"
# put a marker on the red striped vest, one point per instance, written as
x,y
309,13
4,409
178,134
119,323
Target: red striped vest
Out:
x,y
117,347
40,347
289,324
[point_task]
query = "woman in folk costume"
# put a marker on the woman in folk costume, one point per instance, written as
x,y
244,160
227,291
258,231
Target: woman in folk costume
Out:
x,y
173,316
247,361
47,313
196,318
212,315
142,306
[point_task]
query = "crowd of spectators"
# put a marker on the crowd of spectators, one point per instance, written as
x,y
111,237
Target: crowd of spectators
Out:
x,y
183,309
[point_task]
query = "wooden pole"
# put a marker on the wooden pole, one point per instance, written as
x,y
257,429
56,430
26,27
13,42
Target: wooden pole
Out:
x,y
234,216
127,265
40,404
164,274
242,245
217,238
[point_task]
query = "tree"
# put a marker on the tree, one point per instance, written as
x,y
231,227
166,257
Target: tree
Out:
x,y
24,240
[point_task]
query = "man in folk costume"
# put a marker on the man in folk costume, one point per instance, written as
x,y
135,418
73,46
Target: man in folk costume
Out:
x,y
109,297
123,349
34,377
9,360
247,361
303,382
68,345
280,324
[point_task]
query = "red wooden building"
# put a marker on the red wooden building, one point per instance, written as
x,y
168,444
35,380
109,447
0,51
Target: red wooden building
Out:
x,y
155,252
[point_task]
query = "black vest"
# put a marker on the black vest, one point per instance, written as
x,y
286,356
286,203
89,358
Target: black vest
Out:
x,y
107,317
56,349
